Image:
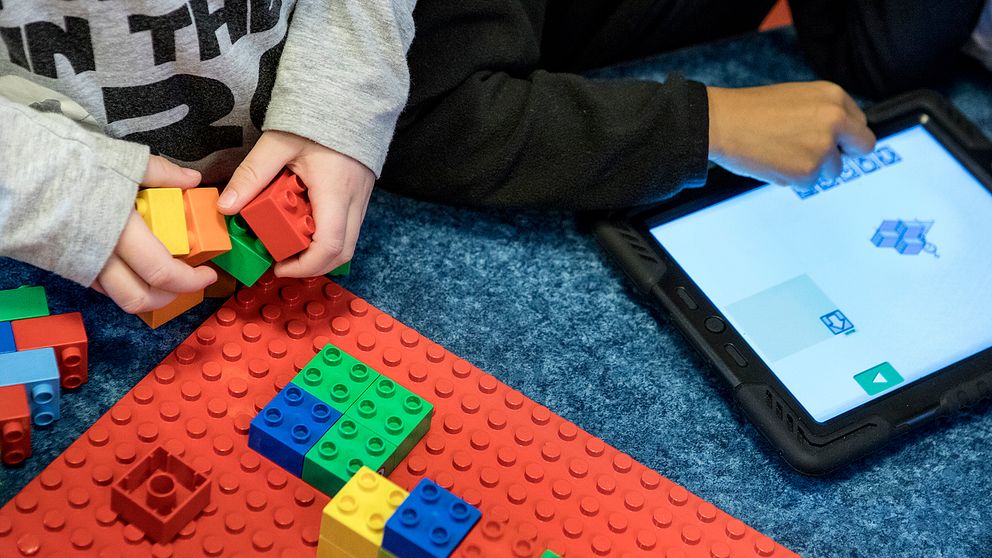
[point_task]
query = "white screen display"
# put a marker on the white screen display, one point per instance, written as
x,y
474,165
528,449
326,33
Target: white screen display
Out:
x,y
855,287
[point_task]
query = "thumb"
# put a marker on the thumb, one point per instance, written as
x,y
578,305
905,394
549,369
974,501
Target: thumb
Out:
x,y
163,173
260,167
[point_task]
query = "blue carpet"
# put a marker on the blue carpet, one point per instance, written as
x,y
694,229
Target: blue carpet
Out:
x,y
531,299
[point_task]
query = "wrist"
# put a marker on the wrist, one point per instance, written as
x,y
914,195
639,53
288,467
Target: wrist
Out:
x,y
715,96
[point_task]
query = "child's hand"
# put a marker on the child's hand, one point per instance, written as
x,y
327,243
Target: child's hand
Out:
x,y
141,275
789,134
339,188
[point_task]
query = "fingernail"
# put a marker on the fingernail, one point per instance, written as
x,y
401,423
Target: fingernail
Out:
x,y
227,199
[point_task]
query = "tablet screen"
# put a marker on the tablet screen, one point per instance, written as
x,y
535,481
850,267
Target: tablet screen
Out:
x,y
855,287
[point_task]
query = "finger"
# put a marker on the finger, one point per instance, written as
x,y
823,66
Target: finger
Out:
x,y
128,291
258,169
330,214
854,138
153,263
853,109
832,165
163,173
96,286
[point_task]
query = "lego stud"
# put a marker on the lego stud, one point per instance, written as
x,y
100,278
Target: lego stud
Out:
x,y
71,357
272,417
331,356
290,199
376,522
321,412
347,504
367,481
313,376
13,433
354,465
440,536
301,433
348,428
308,225
293,395
141,205
385,388
396,498
72,381
366,408
410,518
238,224
459,512
42,394
394,425
44,418
161,493
328,451
413,404
359,373
339,393
375,446
430,493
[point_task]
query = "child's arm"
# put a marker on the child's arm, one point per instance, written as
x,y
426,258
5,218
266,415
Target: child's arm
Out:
x,y
67,205
341,85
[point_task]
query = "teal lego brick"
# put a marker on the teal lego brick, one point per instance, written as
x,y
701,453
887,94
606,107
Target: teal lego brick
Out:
x,y
342,270
335,377
248,259
38,371
341,452
23,302
400,416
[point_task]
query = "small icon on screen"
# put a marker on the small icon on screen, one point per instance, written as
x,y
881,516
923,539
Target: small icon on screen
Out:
x,y
837,322
907,237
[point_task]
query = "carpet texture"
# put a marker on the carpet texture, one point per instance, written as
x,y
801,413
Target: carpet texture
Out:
x,y
531,299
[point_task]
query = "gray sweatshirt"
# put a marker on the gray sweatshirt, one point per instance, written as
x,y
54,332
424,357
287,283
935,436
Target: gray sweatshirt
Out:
x,y
87,87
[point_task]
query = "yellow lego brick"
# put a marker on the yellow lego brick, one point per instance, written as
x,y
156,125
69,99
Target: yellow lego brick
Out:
x,y
327,549
354,520
164,213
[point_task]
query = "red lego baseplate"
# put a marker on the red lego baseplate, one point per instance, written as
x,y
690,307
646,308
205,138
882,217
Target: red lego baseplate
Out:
x,y
540,481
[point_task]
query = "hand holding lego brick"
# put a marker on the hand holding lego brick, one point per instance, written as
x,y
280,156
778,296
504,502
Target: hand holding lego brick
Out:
x,y
141,274
338,186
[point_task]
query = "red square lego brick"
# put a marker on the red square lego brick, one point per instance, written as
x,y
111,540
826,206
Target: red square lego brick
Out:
x,y
160,495
15,425
280,216
66,334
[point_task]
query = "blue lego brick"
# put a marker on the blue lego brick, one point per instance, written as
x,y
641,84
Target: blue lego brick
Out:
x,y
38,371
286,429
7,344
430,523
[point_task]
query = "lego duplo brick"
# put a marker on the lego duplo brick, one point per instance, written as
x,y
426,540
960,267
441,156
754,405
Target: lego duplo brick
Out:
x,y
163,212
539,481
67,335
341,452
7,343
36,370
336,378
342,270
15,425
179,305
281,217
248,259
160,495
354,520
286,429
429,523
400,416
23,302
206,230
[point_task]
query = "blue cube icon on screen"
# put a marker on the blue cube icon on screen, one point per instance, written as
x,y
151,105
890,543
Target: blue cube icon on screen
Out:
x,y
849,172
827,183
907,237
868,164
837,322
887,156
887,234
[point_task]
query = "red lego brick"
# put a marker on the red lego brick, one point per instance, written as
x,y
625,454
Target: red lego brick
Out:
x,y
280,216
15,426
66,334
160,495
539,481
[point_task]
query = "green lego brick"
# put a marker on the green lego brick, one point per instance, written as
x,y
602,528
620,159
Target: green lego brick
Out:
x,y
335,377
248,259
23,302
398,415
341,452
549,554
341,271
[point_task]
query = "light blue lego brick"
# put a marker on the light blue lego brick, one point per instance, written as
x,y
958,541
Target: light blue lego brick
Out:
x,y
38,371
7,344
430,523
286,429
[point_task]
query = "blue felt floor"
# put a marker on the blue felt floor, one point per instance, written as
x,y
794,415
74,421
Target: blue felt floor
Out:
x,y
531,299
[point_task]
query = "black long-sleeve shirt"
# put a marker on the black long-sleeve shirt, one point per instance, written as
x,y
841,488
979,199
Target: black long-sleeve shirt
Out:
x,y
493,120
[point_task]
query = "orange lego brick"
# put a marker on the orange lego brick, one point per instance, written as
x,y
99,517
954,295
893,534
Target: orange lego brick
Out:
x,y
280,216
182,303
205,226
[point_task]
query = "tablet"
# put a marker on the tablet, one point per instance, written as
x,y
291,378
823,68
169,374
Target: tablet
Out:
x,y
845,313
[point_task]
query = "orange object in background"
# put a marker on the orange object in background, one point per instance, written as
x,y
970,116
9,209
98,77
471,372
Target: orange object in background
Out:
x,y
182,303
224,287
205,226
780,16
